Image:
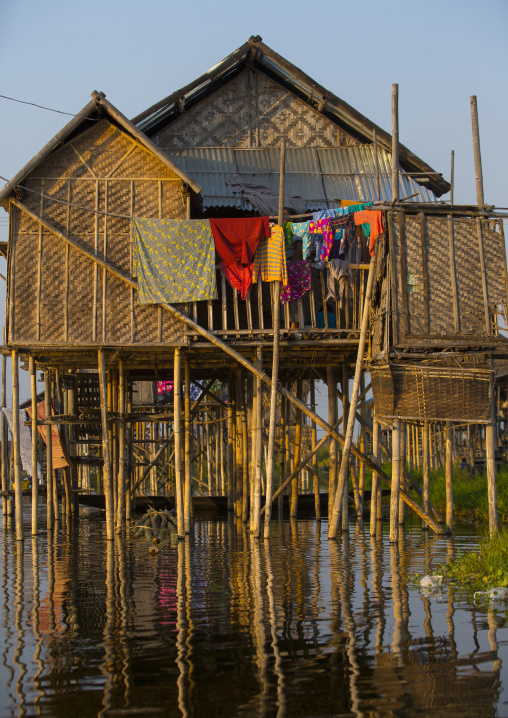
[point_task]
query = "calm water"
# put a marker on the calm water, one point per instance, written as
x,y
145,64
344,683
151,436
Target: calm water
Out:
x,y
225,626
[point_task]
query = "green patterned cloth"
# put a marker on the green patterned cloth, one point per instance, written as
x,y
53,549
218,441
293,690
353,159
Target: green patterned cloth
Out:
x,y
173,260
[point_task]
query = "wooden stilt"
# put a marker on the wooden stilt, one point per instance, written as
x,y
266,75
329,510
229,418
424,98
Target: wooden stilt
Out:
x,y
331,384
257,448
361,469
130,472
275,360
375,479
35,475
106,453
239,445
245,457
315,479
177,393
18,494
50,488
345,413
403,458
490,445
122,449
188,451
6,502
396,470
426,470
449,476
296,454
231,446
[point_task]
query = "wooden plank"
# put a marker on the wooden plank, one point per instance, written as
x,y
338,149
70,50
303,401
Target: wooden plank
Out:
x,y
323,296
453,276
483,270
404,309
425,272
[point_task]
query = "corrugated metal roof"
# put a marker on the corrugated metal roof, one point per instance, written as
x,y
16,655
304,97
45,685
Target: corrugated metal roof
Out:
x,y
322,176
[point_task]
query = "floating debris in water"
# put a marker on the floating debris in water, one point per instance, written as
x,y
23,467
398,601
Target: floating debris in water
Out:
x,y
158,527
493,595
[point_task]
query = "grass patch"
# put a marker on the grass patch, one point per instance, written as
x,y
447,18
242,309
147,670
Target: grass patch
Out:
x,y
485,568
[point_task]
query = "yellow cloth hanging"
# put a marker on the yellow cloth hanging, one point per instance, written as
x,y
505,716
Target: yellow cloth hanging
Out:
x,y
270,258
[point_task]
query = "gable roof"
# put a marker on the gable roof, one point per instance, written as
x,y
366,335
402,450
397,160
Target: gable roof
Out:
x,y
255,54
97,108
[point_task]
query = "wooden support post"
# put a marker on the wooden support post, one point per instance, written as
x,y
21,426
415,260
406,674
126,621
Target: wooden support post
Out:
x,y
315,480
18,493
130,474
490,446
394,499
345,413
239,445
245,455
35,434
188,450
395,142
361,470
6,502
231,445
296,454
177,393
452,178
257,448
375,478
50,487
331,384
426,470
376,160
480,200
106,453
403,461
275,360
122,453
449,477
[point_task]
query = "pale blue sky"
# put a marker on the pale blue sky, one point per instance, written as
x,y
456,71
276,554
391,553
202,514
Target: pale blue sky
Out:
x,y
56,53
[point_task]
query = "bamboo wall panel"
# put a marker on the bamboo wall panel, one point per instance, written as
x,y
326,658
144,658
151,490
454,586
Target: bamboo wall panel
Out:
x,y
440,319
114,176
249,111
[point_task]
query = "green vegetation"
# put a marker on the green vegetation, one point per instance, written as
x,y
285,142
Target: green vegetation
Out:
x,y
485,568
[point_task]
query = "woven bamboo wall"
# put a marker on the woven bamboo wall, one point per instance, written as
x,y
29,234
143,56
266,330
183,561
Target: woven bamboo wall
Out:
x,y
58,294
430,252
251,111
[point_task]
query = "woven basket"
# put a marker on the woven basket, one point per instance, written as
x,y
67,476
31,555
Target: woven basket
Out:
x,y
431,392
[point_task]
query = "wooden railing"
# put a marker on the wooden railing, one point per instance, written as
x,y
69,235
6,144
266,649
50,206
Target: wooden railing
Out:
x,y
231,317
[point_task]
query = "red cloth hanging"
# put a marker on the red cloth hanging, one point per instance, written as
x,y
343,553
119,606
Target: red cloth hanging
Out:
x,y
238,276
237,239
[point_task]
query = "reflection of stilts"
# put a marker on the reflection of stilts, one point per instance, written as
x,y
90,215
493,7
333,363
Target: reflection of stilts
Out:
x,y
181,633
281,693
20,634
377,584
6,607
107,667
259,626
35,621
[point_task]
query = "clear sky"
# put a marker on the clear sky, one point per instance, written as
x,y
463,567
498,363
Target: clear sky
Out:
x,y
55,53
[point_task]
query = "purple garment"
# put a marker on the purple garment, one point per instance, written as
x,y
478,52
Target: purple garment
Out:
x,y
299,281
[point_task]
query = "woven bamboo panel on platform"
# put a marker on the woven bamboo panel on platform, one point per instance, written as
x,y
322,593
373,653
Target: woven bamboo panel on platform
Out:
x,y
89,190
428,281
424,391
251,110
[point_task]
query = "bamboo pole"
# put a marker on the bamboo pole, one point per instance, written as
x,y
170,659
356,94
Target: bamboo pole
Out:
x,y
245,456
404,447
6,501
331,385
452,178
35,476
18,494
395,142
257,447
231,442
177,394
50,488
345,413
480,200
449,477
315,479
275,360
122,457
342,488
375,479
376,160
426,470
106,455
394,499
296,453
490,446
188,434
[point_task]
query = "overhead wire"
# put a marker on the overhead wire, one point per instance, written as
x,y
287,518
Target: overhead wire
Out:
x,y
50,109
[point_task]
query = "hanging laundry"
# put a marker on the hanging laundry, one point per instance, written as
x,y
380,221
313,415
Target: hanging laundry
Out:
x,y
165,387
338,270
349,202
347,224
262,198
322,226
323,214
173,260
238,276
288,234
236,239
299,280
301,231
375,219
270,259
352,208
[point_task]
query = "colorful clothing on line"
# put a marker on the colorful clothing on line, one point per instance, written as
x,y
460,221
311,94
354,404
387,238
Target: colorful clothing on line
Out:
x,y
288,234
322,226
352,208
196,388
301,231
299,281
375,219
236,239
165,386
270,259
238,276
347,224
173,260
338,270
323,214
349,202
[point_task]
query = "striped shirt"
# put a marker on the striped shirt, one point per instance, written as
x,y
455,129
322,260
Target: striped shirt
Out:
x,y
270,258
